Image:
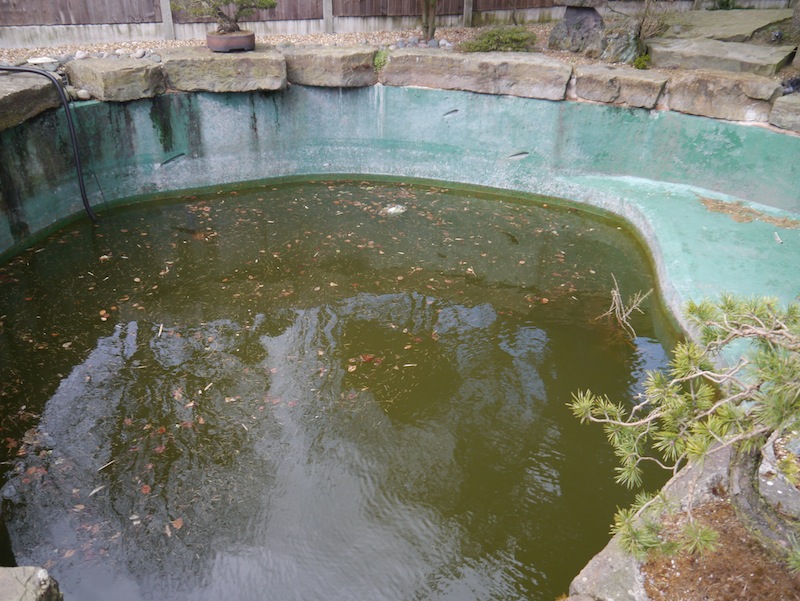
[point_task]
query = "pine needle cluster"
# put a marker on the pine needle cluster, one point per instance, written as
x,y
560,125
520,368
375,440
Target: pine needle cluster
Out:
x,y
702,404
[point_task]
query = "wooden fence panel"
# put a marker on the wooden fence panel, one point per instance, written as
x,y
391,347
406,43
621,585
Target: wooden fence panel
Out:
x,y
392,8
78,12
483,5
286,10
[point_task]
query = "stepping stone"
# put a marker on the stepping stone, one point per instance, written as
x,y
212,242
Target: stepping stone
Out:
x,y
700,53
724,25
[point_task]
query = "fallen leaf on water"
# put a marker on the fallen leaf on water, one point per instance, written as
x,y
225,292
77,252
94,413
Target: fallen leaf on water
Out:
x,y
146,489
177,523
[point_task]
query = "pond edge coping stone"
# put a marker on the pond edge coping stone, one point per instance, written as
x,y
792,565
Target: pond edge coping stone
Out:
x,y
741,97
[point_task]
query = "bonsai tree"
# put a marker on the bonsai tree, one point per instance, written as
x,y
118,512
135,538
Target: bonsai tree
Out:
x,y
699,406
213,8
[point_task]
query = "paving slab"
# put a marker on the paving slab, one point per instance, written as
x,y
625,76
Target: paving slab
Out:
x,y
196,68
23,96
723,25
786,112
340,67
702,53
117,79
619,85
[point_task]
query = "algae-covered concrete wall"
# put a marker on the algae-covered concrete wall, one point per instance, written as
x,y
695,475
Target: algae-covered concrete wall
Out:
x,y
636,163
180,141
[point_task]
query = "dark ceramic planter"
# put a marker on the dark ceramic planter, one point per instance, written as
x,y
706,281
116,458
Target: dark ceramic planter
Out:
x,y
231,42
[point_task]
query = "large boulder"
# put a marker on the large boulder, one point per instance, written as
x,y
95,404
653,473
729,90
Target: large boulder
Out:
x,y
622,42
786,112
619,85
23,96
581,30
197,69
723,95
331,67
117,79
514,73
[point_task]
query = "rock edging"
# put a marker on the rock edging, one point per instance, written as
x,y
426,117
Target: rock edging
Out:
x,y
723,95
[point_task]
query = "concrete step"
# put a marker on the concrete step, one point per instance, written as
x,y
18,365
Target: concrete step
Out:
x,y
702,53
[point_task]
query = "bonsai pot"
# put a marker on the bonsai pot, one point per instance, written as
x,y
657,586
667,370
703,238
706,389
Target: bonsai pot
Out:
x,y
229,42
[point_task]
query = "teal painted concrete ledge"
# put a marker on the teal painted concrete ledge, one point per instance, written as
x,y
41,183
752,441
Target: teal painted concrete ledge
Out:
x,y
657,170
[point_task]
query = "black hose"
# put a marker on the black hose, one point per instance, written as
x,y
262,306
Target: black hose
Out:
x,y
72,135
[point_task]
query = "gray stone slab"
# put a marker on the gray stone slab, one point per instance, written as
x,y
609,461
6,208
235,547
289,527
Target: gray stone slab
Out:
x,y
721,95
23,96
524,74
723,25
616,575
700,53
619,85
196,69
786,112
117,79
331,67
28,584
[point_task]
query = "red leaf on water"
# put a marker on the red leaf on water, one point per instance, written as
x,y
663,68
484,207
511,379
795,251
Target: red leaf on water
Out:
x,y
146,489
177,523
367,358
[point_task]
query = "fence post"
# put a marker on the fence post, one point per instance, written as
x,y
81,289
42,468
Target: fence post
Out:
x,y
468,13
327,15
168,29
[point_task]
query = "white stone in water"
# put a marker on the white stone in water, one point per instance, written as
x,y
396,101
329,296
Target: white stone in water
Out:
x,y
394,210
81,54
139,53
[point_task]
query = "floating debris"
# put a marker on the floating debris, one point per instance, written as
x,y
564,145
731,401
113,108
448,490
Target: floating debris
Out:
x,y
393,209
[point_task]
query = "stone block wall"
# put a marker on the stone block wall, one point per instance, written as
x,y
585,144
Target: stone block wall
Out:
x,y
715,94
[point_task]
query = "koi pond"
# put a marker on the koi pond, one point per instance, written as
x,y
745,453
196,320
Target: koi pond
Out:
x,y
340,390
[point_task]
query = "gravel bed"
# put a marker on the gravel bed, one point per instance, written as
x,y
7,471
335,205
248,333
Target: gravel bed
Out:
x,y
380,39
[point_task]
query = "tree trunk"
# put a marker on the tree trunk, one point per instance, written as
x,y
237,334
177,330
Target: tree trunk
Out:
x,y
225,24
428,19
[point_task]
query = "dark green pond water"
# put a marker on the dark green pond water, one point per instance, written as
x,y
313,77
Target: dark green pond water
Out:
x,y
316,390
